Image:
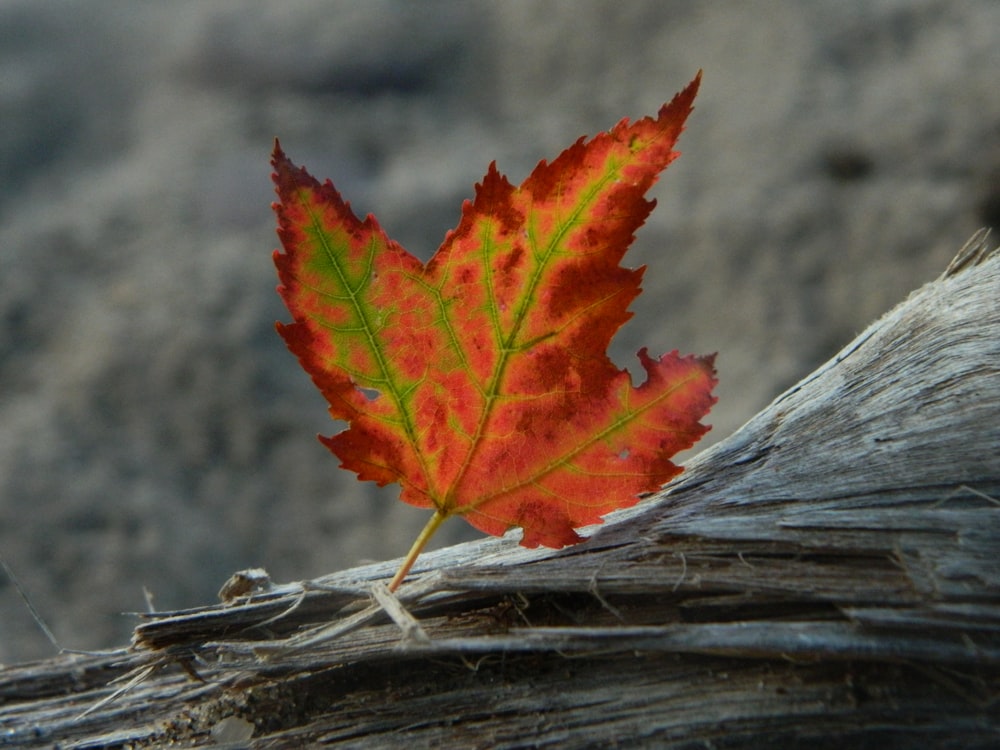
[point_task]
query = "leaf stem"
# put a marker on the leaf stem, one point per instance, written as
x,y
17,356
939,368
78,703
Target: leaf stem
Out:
x,y
418,546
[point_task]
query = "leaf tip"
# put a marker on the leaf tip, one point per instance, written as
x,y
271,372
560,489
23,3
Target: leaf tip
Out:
x,y
680,107
278,158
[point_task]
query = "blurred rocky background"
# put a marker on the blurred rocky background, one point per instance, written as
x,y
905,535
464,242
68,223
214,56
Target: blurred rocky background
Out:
x,y
155,433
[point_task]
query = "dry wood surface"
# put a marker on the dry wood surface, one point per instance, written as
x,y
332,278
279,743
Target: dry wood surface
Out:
x,y
826,577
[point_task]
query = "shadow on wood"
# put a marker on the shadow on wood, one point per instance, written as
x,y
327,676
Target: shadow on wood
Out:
x,y
826,577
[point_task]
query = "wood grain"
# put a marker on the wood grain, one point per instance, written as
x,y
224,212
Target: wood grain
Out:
x,y
828,576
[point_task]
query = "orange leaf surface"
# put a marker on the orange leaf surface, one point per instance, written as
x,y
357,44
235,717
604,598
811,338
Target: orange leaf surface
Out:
x,y
480,381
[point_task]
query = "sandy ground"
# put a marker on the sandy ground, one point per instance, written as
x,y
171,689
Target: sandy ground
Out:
x,y
155,433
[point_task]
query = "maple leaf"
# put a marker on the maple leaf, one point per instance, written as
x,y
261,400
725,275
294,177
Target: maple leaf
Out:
x,y
480,381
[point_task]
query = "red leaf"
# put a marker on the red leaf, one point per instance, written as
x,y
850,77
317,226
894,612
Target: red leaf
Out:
x,y
480,381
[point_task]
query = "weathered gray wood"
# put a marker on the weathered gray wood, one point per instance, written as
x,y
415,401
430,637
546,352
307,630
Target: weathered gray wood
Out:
x,y
828,576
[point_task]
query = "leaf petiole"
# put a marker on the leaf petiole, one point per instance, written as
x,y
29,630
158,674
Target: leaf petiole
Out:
x,y
418,546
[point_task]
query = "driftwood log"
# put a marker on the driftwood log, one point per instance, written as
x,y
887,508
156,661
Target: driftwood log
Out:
x,y
826,577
